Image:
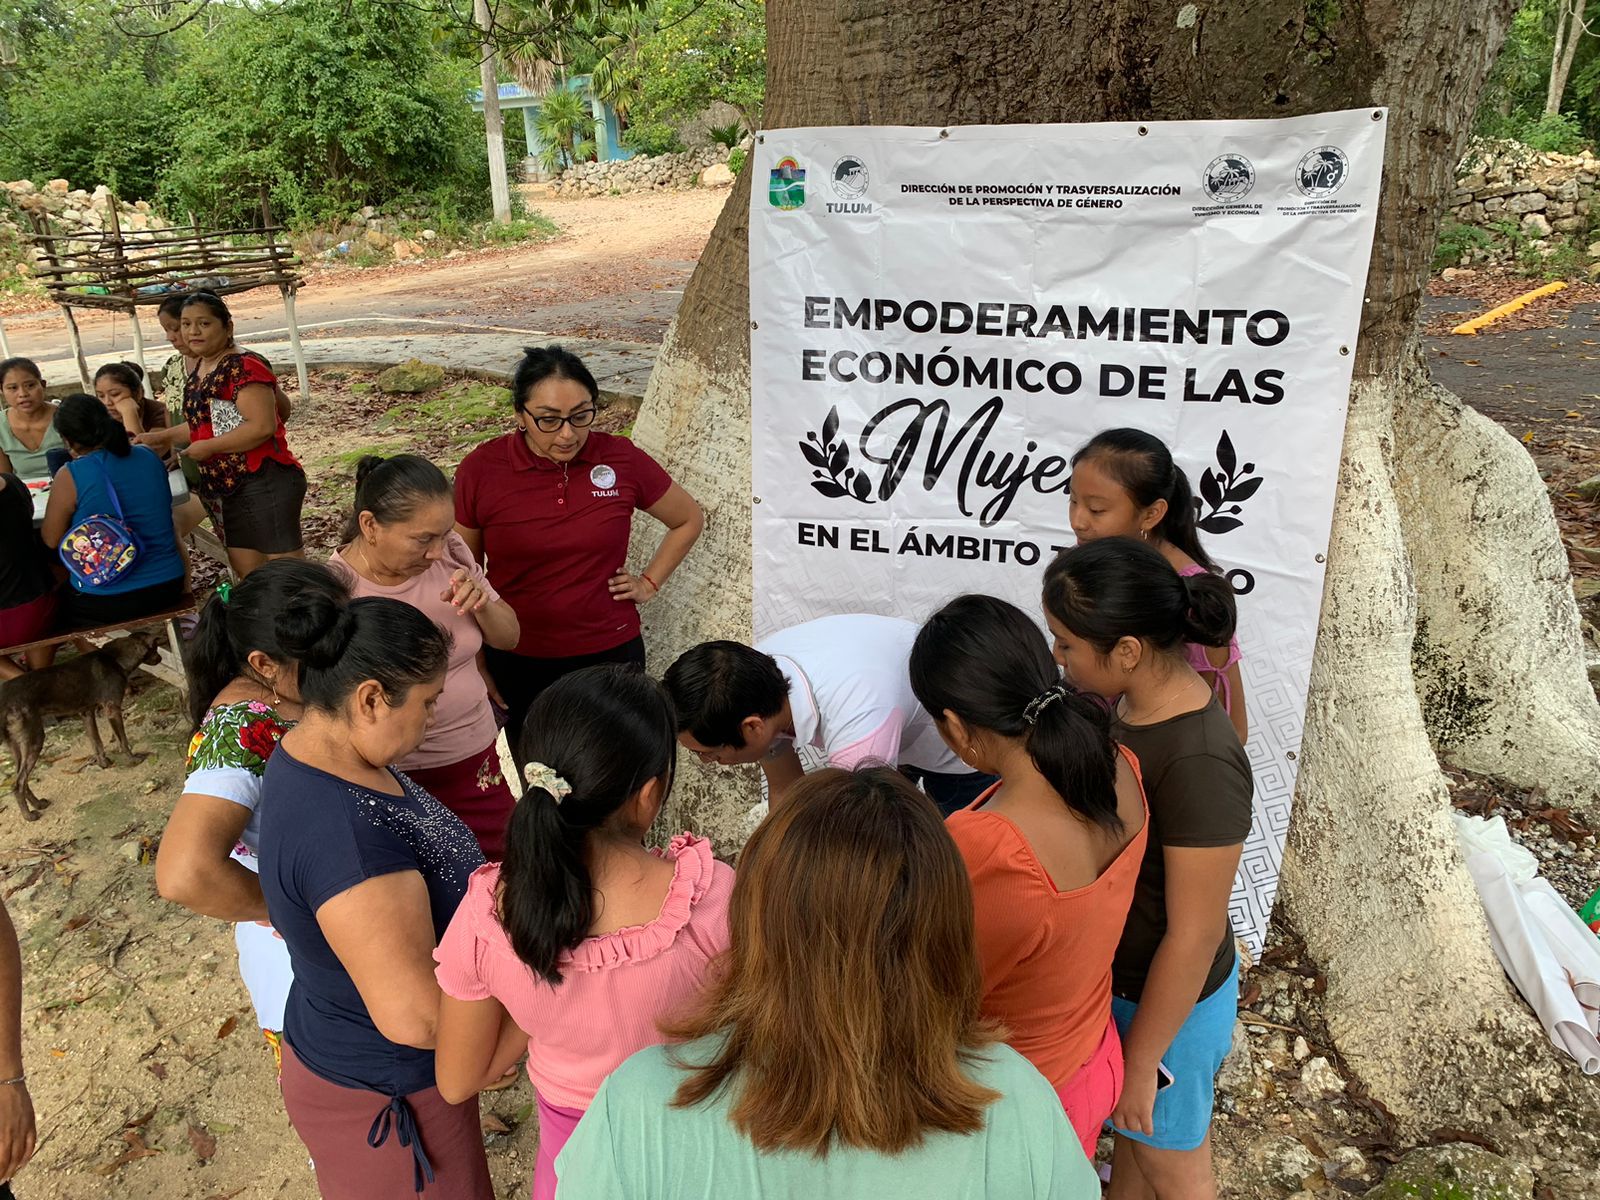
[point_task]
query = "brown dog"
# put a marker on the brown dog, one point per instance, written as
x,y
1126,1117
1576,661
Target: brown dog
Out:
x,y
87,684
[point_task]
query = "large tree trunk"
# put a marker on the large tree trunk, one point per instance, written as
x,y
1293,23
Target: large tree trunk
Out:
x,y
1440,520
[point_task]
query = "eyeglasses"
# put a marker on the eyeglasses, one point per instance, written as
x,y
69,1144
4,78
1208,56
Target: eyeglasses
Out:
x,y
578,420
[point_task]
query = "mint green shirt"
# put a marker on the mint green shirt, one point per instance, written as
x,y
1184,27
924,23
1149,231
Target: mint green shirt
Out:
x,y
633,1145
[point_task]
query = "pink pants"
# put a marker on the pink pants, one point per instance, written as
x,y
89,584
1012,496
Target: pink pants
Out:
x,y
555,1127
1091,1095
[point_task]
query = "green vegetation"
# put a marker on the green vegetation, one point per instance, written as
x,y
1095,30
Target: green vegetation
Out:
x,y
335,105
330,105
1513,104
1456,241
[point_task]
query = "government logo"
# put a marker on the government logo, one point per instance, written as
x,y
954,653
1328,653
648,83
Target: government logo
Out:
x,y
849,178
603,477
1322,172
787,187
1229,178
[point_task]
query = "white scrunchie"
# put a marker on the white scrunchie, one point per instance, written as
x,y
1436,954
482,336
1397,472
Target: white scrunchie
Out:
x,y
538,775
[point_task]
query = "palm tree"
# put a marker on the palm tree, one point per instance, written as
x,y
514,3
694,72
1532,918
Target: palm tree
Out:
x,y
566,130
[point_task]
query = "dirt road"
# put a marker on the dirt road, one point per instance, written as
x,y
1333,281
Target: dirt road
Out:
x,y
616,271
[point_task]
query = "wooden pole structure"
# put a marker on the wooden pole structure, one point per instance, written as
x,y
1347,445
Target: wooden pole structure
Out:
x,y
120,259
287,292
47,243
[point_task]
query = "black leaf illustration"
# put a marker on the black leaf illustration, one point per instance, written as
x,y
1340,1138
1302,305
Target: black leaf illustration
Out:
x,y
1223,489
829,455
1244,489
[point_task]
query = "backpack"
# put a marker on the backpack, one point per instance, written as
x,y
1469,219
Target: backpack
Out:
x,y
101,548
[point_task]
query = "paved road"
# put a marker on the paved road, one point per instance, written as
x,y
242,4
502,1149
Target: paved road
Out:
x,y
616,273
1523,374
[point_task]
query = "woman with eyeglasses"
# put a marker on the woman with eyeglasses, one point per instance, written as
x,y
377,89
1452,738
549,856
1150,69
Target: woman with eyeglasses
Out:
x,y
548,508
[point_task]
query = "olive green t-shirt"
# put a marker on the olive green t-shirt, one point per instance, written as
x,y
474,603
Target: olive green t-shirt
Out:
x,y
1197,780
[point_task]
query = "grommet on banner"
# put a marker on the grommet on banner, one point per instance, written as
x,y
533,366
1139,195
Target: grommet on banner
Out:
x,y
1344,349
755,325
1322,558
755,500
762,138
944,133
1377,114
1143,132
1291,755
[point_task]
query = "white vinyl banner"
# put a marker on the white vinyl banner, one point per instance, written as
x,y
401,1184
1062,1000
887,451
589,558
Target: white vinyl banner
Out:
x,y
941,317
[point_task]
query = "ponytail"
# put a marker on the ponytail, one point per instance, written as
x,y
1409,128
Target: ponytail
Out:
x,y
985,661
1142,466
241,619
1178,525
592,740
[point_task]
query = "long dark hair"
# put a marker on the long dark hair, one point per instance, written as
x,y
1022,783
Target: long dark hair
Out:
x,y
243,619
391,488
985,661
84,421
607,731
1115,587
549,362
1142,466
341,644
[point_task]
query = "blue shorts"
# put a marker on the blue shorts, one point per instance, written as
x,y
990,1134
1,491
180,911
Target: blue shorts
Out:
x,y
1183,1108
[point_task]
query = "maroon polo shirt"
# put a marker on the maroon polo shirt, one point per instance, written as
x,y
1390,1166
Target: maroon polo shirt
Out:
x,y
554,533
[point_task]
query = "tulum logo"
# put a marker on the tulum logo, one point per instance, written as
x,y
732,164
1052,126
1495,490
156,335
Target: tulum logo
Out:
x,y
1229,178
1322,172
787,187
849,178
603,477
1223,490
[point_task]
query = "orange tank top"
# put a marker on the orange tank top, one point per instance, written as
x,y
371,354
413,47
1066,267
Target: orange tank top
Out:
x,y
1046,954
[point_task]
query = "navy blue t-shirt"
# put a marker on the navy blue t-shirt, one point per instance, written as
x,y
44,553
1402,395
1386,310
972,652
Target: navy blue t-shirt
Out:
x,y
320,836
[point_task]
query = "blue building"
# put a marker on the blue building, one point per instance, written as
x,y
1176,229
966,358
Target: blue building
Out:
x,y
607,134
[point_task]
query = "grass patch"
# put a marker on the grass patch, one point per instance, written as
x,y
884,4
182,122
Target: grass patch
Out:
x,y
466,413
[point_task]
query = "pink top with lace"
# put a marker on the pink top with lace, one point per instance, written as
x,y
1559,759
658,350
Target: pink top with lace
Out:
x,y
1200,658
614,988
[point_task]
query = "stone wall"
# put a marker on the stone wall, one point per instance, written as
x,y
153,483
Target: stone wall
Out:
x,y
1523,203
639,174
70,212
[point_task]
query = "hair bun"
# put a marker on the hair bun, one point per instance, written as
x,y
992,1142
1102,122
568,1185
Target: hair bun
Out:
x,y
367,464
315,632
1213,616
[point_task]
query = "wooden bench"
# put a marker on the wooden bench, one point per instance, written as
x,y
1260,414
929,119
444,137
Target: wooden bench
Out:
x,y
169,670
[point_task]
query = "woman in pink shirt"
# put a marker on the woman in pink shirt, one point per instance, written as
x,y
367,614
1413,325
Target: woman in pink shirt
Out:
x,y
401,543
582,941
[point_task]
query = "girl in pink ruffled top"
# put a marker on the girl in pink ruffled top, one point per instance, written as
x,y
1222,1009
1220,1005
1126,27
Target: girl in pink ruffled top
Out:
x,y
582,937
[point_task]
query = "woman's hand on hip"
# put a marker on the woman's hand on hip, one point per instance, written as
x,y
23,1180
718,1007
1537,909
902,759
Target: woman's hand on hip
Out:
x,y
636,588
